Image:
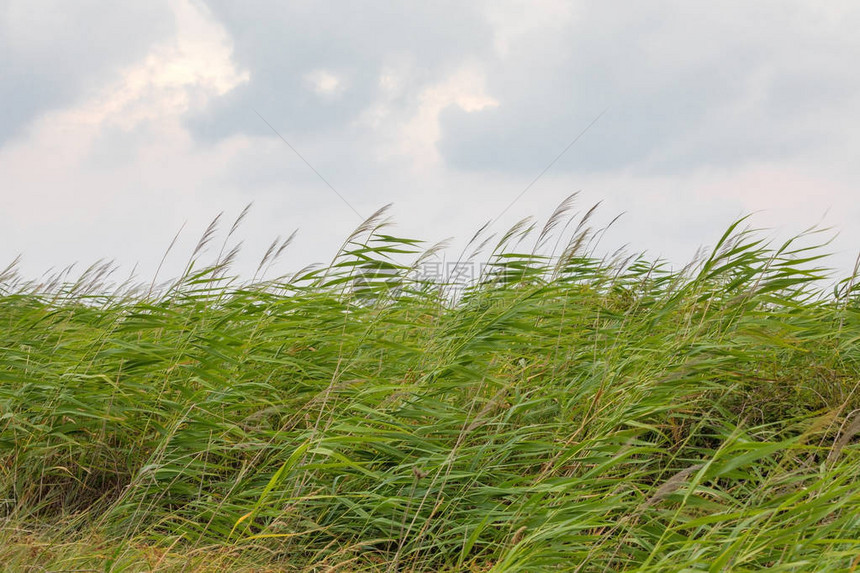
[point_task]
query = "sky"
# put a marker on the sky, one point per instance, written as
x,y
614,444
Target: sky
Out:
x,y
123,124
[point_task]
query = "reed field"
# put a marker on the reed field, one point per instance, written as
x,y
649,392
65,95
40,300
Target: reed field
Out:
x,y
562,411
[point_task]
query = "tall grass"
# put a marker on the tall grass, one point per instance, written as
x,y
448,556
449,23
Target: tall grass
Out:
x,y
560,412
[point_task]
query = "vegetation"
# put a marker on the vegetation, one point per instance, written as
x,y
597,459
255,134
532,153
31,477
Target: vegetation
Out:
x,y
561,412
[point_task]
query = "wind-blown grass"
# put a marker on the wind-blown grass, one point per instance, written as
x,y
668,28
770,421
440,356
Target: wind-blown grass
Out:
x,y
563,412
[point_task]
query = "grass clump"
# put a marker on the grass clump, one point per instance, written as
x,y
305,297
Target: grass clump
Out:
x,y
560,412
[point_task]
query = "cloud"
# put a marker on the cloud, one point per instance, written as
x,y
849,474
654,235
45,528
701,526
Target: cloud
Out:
x,y
112,162
324,83
417,137
56,53
686,86
356,60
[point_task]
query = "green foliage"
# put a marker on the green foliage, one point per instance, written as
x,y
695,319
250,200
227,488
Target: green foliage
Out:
x,y
562,412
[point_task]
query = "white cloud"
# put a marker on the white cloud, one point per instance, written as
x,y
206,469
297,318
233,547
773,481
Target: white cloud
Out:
x,y
419,135
390,83
55,187
174,77
324,83
513,20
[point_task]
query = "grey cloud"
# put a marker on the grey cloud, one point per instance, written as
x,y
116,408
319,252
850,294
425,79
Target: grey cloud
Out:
x,y
279,43
687,84
713,85
53,52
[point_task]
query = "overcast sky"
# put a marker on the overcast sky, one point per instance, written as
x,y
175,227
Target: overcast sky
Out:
x,y
122,122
